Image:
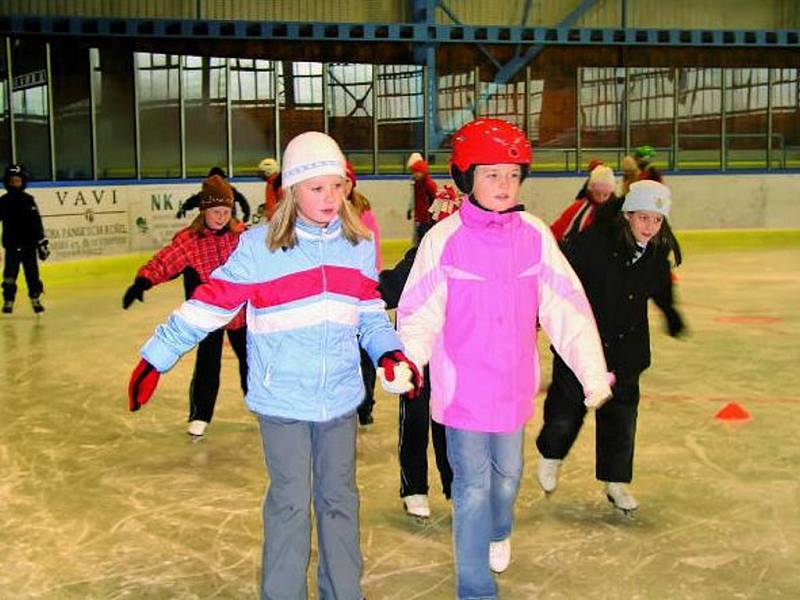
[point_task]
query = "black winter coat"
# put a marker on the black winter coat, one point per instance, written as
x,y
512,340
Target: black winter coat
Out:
x,y
392,281
22,223
618,291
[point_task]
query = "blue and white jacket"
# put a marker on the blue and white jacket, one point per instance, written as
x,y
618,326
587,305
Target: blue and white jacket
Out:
x,y
307,308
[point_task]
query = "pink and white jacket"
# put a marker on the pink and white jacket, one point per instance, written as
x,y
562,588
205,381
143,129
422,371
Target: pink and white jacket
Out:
x,y
470,306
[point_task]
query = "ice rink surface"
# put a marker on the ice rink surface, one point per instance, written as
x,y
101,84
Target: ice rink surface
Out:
x,y
96,502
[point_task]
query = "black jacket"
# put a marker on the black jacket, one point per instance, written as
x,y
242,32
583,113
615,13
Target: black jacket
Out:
x,y
193,202
22,223
392,281
618,291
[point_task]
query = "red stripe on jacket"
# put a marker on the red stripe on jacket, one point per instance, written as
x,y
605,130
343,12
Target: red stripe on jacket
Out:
x,y
289,288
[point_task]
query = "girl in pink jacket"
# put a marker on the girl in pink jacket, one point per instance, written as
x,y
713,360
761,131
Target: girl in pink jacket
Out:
x,y
480,281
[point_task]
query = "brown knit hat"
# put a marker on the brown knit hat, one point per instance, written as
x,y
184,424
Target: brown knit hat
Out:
x,y
216,192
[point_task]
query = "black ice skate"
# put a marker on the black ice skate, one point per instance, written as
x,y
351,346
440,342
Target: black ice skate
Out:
x,y
37,306
8,306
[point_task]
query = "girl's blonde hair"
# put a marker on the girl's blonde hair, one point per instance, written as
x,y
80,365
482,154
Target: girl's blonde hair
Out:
x,y
282,233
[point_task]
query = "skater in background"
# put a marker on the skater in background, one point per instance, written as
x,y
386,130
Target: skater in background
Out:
x,y
621,263
425,190
193,201
594,163
415,416
644,156
446,202
308,278
630,175
598,199
480,280
195,252
23,239
270,172
363,209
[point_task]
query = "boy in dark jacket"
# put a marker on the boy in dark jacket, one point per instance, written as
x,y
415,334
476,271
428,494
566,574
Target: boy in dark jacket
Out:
x,y
415,415
194,200
23,238
621,263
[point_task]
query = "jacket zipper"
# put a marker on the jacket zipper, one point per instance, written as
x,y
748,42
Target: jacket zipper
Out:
x,y
324,325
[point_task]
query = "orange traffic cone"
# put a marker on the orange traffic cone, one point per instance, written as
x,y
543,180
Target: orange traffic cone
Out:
x,y
733,411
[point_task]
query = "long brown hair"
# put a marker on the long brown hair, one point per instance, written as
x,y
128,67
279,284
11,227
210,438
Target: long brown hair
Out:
x,y
282,225
664,237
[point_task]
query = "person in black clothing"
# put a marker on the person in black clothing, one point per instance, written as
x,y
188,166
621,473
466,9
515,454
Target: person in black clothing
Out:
x,y
415,416
193,201
23,239
621,262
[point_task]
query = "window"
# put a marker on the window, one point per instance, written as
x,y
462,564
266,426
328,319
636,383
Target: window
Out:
x,y
112,86
72,125
205,114
252,113
30,106
158,87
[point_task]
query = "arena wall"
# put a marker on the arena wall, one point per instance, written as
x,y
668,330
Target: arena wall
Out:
x,y
95,219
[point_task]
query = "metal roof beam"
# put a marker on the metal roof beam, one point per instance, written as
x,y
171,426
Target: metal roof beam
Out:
x,y
392,32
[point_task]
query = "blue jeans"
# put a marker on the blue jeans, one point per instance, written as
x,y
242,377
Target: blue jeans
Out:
x,y
297,453
486,473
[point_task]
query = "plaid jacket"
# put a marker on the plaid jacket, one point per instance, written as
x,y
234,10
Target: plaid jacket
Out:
x,y
197,252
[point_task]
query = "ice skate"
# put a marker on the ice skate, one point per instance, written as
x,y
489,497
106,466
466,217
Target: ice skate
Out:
x,y
621,498
36,304
500,555
547,474
417,505
197,429
8,306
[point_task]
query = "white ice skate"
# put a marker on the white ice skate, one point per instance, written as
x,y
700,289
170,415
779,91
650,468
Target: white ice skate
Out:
x,y
417,505
197,428
500,555
547,473
620,497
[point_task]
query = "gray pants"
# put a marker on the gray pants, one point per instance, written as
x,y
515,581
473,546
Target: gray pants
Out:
x,y
298,453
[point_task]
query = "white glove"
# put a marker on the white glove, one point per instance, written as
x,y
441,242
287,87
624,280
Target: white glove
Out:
x,y
596,398
402,382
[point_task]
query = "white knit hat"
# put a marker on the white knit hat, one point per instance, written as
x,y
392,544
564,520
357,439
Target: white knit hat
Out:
x,y
311,154
414,158
648,195
602,178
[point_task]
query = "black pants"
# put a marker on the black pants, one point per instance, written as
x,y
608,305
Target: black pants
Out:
x,y
205,381
27,258
368,375
413,444
615,422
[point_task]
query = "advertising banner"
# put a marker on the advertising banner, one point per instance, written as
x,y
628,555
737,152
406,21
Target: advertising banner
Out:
x,y
84,221
153,210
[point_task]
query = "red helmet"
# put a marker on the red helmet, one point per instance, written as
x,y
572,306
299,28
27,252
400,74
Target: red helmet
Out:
x,y
490,142
487,142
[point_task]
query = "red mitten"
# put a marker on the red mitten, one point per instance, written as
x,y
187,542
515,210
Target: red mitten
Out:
x,y
394,366
142,385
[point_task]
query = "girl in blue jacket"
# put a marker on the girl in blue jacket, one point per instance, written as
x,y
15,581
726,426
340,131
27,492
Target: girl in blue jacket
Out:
x,y
309,283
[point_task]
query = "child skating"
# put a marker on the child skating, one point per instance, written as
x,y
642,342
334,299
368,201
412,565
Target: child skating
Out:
x,y
308,282
194,253
622,263
480,281
24,240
